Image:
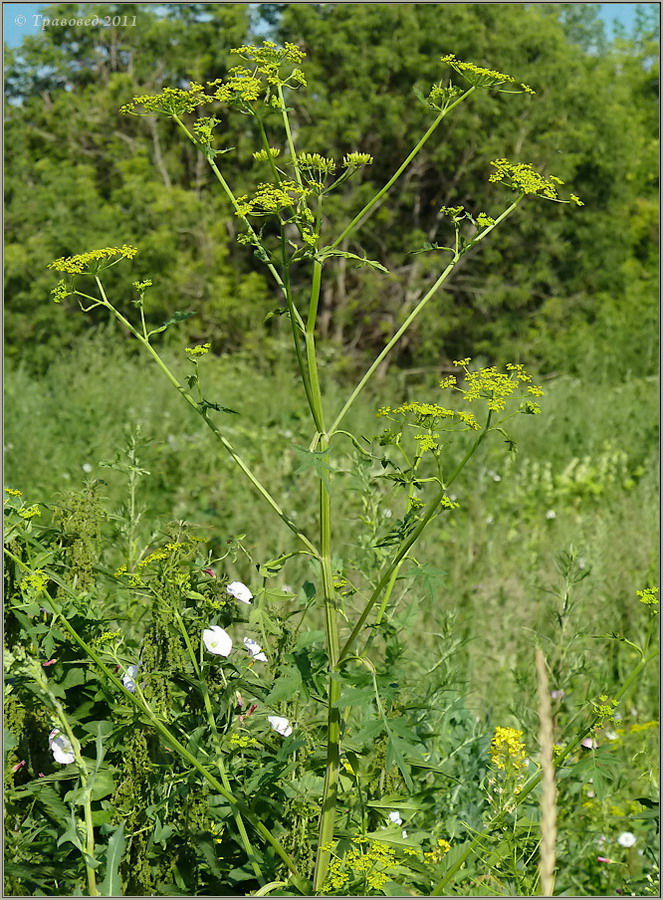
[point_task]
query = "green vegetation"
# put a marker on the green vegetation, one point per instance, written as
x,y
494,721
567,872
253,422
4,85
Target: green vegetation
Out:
x,y
81,176
370,617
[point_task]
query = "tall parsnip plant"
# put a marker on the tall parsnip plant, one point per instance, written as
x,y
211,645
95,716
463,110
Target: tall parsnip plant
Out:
x,y
283,223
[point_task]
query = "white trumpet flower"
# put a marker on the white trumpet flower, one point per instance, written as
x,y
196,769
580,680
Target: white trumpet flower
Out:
x,y
281,725
240,592
217,640
254,650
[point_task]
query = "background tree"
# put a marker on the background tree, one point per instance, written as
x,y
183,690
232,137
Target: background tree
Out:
x,y
79,174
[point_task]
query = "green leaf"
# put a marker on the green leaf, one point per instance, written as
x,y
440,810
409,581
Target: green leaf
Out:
x,y
111,886
429,248
393,801
392,835
286,686
208,404
354,696
362,260
396,750
268,888
279,311
175,319
51,801
161,832
273,566
316,460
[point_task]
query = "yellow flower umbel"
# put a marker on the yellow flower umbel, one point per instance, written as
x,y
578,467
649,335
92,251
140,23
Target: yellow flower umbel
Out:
x,y
499,387
269,69
170,102
479,77
507,751
524,179
270,199
370,866
649,597
93,261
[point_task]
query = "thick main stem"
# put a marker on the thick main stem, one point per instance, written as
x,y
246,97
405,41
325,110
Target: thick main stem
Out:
x,y
330,788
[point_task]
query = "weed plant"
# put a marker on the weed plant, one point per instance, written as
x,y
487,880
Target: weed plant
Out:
x,y
218,702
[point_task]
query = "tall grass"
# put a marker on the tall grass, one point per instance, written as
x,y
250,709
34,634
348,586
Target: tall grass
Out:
x,y
585,481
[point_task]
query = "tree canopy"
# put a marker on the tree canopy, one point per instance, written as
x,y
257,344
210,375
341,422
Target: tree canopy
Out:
x,y
564,291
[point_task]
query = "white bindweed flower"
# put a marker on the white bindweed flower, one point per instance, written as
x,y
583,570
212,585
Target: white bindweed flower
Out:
x,y
626,839
551,514
254,650
217,640
281,725
240,592
128,679
395,817
86,467
61,748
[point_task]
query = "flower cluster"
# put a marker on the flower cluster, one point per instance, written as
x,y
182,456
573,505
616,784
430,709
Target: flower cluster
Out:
x,y
169,102
604,707
240,87
429,414
523,178
195,352
34,581
203,128
371,865
92,261
242,741
29,512
270,56
498,387
265,155
440,96
60,292
315,163
270,199
479,77
435,855
355,160
507,749
649,597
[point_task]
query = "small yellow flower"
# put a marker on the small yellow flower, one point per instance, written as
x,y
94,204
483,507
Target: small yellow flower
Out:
x,y
29,512
507,749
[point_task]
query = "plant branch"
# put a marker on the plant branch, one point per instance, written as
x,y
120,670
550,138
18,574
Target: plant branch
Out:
x,y
412,539
413,315
361,216
259,487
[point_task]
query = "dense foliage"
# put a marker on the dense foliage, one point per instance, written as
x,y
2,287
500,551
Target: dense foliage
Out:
x,y
80,175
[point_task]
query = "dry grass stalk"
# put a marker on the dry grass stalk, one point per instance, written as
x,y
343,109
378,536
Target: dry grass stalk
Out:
x,y
548,806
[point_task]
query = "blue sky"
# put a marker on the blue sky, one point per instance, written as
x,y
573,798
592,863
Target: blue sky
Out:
x,y
15,28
